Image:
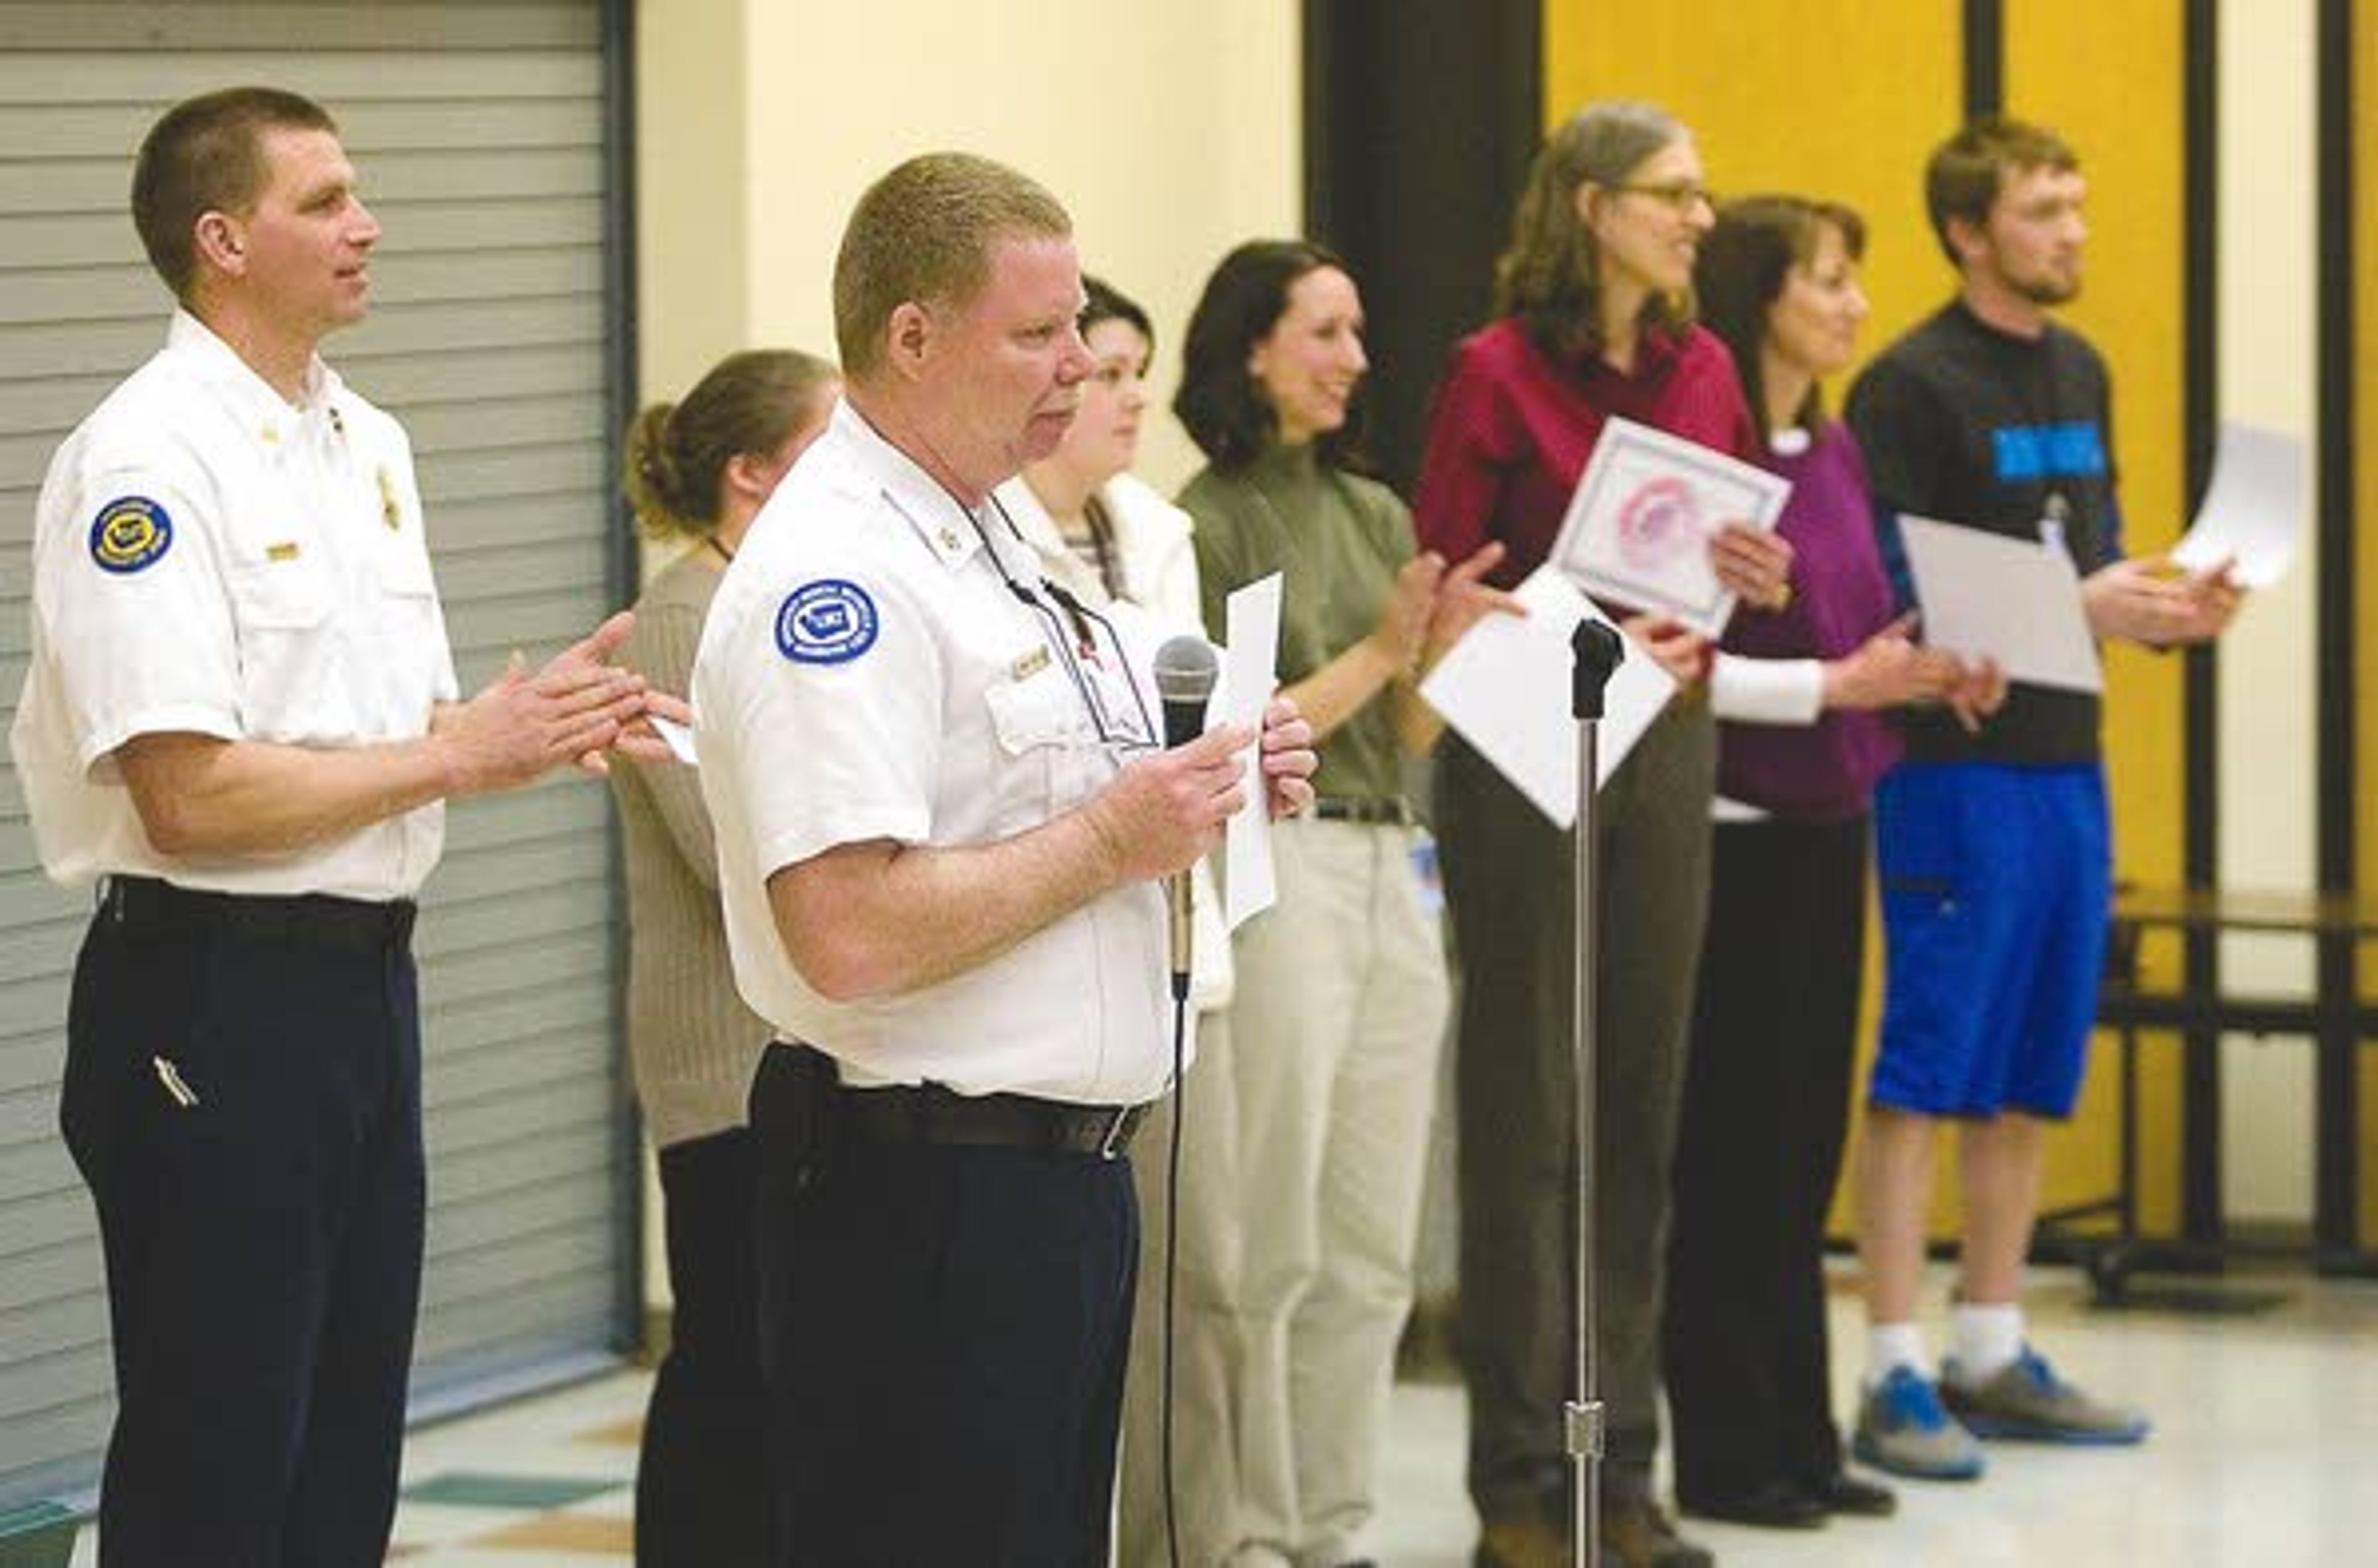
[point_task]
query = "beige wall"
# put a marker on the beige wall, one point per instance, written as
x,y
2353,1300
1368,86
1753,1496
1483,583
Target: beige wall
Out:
x,y
2268,727
1171,130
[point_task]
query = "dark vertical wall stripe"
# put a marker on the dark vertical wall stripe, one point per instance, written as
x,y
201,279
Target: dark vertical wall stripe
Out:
x,y
1984,57
625,394
1419,121
2201,1116
2336,1204
1320,56
2338,348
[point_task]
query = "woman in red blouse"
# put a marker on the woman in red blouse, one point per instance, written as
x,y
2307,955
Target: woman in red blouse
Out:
x,y
1592,297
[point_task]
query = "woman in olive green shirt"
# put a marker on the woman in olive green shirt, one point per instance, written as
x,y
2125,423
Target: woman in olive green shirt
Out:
x,y
1340,997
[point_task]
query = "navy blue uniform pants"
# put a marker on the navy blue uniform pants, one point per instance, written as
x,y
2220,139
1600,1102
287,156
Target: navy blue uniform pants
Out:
x,y
943,1333
700,1502
262,1229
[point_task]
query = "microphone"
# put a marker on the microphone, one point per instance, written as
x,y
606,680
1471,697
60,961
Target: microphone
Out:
x,y
1185,672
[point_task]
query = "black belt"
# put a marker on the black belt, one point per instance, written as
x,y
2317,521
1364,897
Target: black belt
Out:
x,y
932,1114
1340,809
314,919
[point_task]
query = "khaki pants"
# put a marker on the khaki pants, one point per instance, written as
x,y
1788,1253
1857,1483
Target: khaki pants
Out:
x,y
1335,1026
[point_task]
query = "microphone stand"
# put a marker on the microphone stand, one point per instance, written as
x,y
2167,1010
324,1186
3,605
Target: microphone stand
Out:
x,y
1596,649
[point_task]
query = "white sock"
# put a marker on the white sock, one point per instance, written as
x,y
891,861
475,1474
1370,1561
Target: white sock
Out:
x,y
1988,1339
1894,1344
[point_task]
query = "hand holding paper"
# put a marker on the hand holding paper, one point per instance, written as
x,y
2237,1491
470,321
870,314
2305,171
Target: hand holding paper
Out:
x,y
1506,688
2014,602
1250,672
1644,517
2253,510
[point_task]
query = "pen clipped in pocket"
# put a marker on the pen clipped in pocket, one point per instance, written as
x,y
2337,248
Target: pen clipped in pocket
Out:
x,y
179,1091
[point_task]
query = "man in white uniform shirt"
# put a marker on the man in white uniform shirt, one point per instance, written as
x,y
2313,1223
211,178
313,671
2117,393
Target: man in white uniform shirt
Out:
x,y
942,815
239,716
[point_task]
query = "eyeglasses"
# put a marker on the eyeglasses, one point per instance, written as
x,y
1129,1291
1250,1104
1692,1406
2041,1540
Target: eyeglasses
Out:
x,y
1681,196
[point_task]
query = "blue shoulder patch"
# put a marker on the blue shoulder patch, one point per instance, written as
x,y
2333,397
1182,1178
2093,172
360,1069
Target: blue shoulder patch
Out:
x,y
130,532
826,622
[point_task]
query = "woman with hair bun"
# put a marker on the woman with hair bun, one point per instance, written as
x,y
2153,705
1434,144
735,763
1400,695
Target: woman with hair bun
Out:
x,y
697,473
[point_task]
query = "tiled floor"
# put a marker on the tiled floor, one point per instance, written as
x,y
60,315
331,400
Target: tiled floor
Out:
x,y
2262,1454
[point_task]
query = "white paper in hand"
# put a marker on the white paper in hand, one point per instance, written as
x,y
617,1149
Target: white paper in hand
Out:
x,y
2015,601
2254,511
1639,524
1249,671
1504,689
677,737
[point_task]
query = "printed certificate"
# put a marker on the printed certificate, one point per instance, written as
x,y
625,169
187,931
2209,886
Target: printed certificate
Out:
x,y
1638,526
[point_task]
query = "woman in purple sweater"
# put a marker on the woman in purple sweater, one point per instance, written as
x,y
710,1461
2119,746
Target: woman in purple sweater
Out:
x,y
1801,741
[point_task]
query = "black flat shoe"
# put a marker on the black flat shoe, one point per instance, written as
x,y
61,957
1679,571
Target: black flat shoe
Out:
x,y
1842,1492
1778,1505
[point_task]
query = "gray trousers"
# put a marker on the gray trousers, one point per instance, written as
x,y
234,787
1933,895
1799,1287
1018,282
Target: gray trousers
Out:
x,y
1508,884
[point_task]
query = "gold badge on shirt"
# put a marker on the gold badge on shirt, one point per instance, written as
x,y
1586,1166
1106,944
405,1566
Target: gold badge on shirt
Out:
x,y
391,511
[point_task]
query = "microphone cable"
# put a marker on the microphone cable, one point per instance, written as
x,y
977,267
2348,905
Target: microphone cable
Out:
x,y
1173,1256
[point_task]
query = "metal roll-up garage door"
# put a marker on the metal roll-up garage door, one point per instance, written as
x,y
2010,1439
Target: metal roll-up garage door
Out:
x,y
483,136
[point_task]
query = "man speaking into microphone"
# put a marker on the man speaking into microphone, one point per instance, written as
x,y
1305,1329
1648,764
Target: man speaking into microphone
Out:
x,y
943,818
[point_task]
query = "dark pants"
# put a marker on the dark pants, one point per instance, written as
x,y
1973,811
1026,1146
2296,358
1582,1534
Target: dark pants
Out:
x,y
263,1244
1507,883
1766,1109
700,1502
943,1331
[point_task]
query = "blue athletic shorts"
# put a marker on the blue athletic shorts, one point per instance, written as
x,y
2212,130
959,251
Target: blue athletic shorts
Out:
x,y
1996,886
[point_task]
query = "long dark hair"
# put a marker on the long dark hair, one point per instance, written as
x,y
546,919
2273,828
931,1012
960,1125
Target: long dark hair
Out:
x,y
1220,401
1101,301
1744,262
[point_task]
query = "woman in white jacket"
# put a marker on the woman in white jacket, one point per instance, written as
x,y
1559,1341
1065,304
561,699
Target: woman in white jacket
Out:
x,y
1111,541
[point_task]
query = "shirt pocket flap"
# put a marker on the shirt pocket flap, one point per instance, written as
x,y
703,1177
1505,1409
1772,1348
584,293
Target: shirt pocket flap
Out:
x,y
1036,710
280,594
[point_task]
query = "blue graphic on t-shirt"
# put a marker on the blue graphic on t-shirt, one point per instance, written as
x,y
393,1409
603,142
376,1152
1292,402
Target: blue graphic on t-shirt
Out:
x,y
2026,452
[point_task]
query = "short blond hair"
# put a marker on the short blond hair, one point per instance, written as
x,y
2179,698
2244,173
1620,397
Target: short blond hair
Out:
x,y
924,233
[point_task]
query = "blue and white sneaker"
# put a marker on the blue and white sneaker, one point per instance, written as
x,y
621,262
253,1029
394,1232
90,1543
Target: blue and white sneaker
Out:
x,y
2026,1402
1902,1429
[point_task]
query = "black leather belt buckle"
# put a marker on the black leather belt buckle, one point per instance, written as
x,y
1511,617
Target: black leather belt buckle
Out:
x,y
906,1114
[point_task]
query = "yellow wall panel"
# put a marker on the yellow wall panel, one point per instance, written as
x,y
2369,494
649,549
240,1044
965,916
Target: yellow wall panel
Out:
x,y
1847,101
2109,77
1744,79
1836,99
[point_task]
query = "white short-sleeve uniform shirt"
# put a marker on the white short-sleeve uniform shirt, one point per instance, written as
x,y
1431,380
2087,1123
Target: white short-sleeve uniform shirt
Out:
x,y
871,670
209,557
